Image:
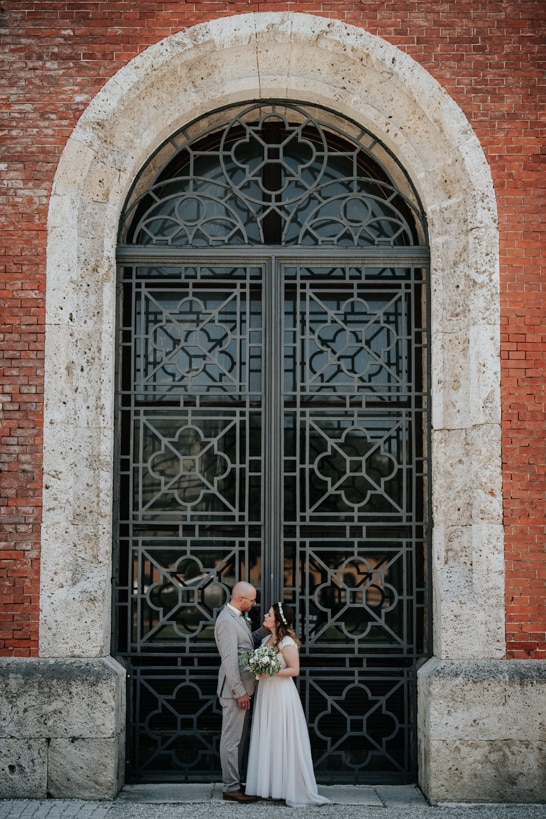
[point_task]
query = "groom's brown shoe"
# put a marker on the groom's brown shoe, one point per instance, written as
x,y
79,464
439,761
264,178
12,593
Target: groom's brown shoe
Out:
x,y
239,796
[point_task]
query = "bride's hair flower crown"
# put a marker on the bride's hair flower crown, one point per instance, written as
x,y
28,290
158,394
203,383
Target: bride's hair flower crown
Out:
x,y
281,612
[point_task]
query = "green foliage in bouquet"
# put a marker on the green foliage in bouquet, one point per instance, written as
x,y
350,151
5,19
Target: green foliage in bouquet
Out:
x,y
263,660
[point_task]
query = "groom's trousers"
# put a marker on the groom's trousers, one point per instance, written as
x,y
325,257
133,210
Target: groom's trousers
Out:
x,y
235,723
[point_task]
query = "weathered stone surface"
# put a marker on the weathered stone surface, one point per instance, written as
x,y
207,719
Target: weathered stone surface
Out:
x,y
23,768
495,771
467,567
83,769
482,730
60,722
61,698
76,593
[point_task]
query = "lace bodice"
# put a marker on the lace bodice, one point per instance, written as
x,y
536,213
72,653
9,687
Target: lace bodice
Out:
x,y
286,641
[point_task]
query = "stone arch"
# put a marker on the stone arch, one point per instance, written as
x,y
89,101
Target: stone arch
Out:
x,y
311,59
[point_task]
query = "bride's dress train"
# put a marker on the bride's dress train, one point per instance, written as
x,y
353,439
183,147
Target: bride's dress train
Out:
x,y
280,765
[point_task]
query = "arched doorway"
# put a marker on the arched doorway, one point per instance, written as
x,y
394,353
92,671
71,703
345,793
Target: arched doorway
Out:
x,y
273,425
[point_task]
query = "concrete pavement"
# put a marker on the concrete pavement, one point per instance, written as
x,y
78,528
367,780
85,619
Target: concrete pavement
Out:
x,y
204,801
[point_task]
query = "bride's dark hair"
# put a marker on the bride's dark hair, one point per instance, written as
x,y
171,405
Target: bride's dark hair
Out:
x,y
284,618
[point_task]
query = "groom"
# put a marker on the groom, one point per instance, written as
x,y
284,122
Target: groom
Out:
x,y
235,687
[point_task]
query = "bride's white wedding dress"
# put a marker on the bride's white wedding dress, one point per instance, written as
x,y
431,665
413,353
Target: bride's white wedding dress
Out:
x,y
279,761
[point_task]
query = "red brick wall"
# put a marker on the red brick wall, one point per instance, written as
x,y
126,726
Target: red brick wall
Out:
x,y
488,55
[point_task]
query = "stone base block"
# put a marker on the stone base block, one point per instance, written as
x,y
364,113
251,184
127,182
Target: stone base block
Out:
x,y
82,768
492,771
23,768
62,728
482,731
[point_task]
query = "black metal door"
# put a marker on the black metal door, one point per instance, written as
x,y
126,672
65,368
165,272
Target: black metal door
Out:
x,y
354,531
272,426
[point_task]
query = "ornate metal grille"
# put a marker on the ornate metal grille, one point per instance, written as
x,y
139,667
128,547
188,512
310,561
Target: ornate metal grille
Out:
x,y
273,425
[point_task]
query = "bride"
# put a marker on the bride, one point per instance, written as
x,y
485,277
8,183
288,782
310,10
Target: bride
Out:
x,y
279,761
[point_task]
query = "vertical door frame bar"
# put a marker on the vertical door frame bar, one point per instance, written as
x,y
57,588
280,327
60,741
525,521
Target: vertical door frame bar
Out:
x,y
272,433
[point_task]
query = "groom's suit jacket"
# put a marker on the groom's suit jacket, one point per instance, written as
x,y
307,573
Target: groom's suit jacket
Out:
x,y
233,638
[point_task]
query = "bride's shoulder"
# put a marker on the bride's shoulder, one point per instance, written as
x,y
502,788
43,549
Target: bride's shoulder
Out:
x,y
287,641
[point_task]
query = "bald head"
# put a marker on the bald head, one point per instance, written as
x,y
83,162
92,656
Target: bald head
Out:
x,y
243,596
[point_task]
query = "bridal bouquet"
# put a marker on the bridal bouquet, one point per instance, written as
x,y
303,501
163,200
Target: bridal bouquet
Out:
x,y
263,660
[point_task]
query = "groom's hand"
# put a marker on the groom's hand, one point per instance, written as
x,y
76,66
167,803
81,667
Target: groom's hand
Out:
x,y
244,702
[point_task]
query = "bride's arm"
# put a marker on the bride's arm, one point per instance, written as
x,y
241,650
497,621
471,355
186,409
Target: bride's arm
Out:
x,y
292,659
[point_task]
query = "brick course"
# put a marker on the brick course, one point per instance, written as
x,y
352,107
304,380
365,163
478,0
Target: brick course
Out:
x,y
488,55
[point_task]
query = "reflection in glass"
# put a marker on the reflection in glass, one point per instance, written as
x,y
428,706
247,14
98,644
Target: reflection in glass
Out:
x,y
193,464
192,340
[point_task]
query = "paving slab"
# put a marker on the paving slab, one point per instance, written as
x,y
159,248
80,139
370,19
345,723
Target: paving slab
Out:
x,y
337,794
204,801
168,793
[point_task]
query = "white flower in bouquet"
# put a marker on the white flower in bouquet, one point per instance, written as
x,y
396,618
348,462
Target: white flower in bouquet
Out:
x,y
263,660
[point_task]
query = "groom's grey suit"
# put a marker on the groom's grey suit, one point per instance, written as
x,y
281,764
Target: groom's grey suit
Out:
x,y
233,638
